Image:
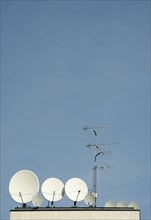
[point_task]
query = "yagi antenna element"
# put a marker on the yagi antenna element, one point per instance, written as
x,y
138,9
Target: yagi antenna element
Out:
x,y
96,128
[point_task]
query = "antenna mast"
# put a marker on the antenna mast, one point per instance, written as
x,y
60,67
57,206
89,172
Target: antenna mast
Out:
x,y
97,150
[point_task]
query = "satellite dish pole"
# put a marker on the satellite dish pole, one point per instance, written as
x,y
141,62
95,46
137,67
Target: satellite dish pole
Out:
x,y
96,151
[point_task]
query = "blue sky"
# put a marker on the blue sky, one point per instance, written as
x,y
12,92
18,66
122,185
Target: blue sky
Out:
x,y
65,65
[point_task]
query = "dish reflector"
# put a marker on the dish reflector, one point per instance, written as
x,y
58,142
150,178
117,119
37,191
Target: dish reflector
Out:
x,y
109,204
76,189
37,200
89,200
133,205
23,186
52,189
121,204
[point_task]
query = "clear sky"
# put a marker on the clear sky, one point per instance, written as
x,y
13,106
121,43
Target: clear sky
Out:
x,y
70,64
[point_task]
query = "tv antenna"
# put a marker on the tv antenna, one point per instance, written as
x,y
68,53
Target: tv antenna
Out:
x,y
98,149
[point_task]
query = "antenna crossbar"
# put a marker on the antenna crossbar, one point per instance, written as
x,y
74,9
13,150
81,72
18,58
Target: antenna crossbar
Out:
x,y
100,145
93,128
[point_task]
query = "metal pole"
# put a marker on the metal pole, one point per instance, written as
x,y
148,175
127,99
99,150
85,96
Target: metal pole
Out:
x,y
95,169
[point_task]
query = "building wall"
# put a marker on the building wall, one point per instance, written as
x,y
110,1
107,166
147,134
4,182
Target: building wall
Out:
x,y
75,215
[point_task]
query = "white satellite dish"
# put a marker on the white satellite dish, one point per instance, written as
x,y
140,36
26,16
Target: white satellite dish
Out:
x,y
89,200
121,204
52,189
133,205
37,200
23,186
109,204
76,189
